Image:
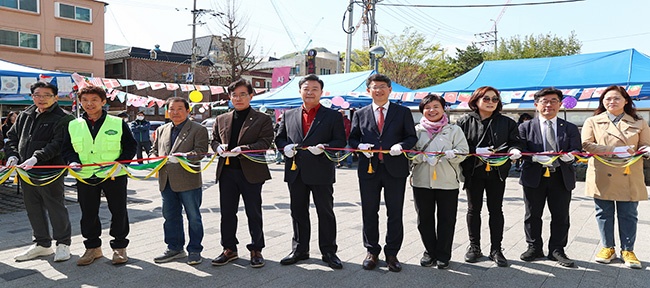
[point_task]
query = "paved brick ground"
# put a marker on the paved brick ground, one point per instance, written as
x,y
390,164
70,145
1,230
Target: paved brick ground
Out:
x,y
147,242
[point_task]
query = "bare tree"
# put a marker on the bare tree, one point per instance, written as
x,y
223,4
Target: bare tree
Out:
x,y
236,56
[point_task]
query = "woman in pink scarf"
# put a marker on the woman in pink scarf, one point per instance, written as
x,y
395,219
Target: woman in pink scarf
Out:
x,y
435,179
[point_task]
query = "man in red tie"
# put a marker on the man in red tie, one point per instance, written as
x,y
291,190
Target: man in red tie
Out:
x,y
382,126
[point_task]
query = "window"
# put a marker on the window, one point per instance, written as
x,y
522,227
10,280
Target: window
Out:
x,y
26,5
19,39
74,46
324,71
72,12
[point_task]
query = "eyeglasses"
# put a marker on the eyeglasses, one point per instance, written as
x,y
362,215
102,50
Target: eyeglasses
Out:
x,y
42,96
494,99
378,87
546,102
240,95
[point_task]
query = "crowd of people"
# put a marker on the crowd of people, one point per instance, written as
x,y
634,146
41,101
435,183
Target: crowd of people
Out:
x,y
477,151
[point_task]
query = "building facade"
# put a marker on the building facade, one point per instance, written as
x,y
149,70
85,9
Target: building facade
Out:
x,y
61,36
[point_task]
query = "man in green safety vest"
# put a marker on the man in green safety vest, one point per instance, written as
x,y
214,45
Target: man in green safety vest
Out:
x,y
99,138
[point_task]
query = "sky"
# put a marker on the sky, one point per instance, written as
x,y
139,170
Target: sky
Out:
x,y
600,25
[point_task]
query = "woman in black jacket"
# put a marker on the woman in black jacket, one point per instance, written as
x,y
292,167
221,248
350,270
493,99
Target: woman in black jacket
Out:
x,y
9,121
487,132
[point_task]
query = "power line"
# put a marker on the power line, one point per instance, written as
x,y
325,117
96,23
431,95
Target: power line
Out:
x,y
616,37
481,5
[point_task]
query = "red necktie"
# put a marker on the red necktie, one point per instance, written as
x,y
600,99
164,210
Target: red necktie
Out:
x,y
380,125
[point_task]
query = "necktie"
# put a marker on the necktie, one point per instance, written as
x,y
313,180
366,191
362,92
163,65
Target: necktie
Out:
x,y
551,144
380,125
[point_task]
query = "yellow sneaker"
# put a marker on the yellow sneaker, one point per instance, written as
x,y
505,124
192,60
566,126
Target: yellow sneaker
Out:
x,y
606,255
630,259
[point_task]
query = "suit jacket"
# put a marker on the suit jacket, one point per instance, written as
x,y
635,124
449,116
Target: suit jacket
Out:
x,y
326,129
398,128
256,134
193,137
568,140
600,135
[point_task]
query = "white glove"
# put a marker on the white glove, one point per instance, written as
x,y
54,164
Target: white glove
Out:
x,y
289,150
645,150
366,146
29,163
395,150
221,148
12,161
622,151
316,150
483,150
75,166
450,154
568,157
232,153
515,154
431,159
542,159
172,158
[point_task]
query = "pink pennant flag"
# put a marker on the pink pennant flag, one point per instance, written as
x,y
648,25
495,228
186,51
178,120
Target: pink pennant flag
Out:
x,y
79,80
586,94
408,96
111,83
141,84
420,95
187,87
96,81
464,97
156,85
216,90
160,103
202,88
280,76
450,97
112,94
172,86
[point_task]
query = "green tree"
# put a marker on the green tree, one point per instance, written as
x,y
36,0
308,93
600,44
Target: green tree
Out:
x,y
407,56
442,69
542,45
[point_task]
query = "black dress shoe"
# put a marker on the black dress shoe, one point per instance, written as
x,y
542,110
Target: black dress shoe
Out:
x,y
442,264
426,260
294,257
498,258
332,260
257,260
561,258
370,262
393,264
473,253
531,254
226,256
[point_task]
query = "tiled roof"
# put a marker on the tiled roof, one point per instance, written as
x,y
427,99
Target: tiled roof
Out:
x,y
185,46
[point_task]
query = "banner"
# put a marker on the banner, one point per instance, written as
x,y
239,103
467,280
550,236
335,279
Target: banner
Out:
x,y
280,76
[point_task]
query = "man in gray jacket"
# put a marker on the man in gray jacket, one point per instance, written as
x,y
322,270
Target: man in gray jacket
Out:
x,y
35,139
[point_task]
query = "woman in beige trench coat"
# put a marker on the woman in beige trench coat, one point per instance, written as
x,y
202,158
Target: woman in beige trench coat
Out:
x,y
616,132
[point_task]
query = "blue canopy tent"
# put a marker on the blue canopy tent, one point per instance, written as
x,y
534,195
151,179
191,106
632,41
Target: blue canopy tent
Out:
x,y
583,74
350,86
15,80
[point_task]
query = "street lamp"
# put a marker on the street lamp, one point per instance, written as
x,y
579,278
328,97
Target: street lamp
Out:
x,y
376,53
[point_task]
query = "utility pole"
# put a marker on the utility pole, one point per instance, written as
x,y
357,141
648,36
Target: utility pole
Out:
x,y
372,38
193,58
489,38
350,31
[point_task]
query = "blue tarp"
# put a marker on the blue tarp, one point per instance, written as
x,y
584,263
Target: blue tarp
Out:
x,y
595,70
9,69
350,86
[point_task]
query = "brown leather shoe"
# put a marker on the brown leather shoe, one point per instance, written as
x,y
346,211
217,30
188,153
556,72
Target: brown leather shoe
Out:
x,y
89,256
370,262
257,260
393,264
119,256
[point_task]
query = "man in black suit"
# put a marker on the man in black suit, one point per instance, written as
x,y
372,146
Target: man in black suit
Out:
x,y
546,181
304,133
382,126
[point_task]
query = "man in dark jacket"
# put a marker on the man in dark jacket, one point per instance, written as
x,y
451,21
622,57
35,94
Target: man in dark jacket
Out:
x,y
35,139
140,128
